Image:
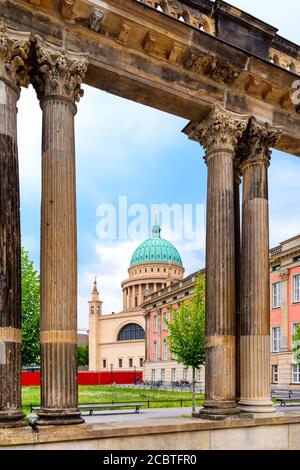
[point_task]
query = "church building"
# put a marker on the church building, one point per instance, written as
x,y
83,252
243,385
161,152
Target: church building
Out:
x,y
117,340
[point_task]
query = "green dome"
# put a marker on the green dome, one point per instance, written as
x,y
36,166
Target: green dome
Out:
x,y
155,250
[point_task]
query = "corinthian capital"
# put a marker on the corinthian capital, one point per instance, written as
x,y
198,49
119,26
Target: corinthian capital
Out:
x,y
14,49
258,139
222,129
58,72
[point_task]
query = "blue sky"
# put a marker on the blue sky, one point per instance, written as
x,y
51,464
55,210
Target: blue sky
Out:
x,y
128,149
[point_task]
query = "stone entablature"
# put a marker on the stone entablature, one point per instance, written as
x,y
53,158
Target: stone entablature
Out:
x,y
194,63
184,13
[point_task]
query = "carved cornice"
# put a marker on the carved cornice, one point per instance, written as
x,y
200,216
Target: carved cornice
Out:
x,y
183,13
66,8
255,146
284,275
285,61
14,49
221,130
211,67
58,72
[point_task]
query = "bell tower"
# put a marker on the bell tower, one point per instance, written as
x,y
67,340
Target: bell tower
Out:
x,y
95,311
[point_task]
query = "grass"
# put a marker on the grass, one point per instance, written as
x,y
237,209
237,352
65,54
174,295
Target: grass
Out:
x,y
108,394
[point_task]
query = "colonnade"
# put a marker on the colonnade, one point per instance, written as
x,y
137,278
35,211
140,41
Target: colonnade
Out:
x,y
56,77
237,266
235,146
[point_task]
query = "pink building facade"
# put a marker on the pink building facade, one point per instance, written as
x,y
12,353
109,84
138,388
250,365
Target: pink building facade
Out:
x,y
285,312
159,364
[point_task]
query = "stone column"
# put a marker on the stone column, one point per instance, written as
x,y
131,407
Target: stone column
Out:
x,y
237,222
124,299
57,83
255,302
140,294
219,134
14,48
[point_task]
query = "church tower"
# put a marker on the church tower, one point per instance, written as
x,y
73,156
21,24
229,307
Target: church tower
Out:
x,y
95,311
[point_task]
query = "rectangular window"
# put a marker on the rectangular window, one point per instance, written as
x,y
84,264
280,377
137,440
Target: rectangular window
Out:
x,y
165,317
165,350
173,375
276,291
296,288
130,362
141,361
104,363
276,339
153,375
163,375
198,375
275,374
155,351
155,324
120,363
295,374
185,373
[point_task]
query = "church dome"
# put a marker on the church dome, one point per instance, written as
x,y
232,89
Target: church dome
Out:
x,y
155,250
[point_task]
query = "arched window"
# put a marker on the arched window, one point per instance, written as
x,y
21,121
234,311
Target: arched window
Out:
x,y
131,332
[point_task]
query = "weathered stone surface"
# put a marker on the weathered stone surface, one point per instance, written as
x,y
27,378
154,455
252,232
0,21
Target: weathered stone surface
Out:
x,y
254,154
143,75
57,82
14,48
280,432
219,135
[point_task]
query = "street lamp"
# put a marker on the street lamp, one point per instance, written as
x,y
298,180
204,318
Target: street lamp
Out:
x,y
111,373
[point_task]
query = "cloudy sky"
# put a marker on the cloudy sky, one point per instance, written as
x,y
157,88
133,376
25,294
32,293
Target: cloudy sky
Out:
x,y
126,149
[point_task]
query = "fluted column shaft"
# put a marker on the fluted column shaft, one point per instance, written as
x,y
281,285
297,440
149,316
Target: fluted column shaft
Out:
x,y
219,135
14,49
237,222
58,259
255,306
57,87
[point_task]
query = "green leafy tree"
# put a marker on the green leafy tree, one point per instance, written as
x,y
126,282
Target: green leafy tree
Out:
x,y
296,345
30,307
83,355
187,331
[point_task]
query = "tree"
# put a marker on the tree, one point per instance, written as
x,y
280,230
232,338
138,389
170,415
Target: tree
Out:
x,y
296,345
187,331
83,355
30,308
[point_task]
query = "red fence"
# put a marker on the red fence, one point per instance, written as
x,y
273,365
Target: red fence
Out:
x,y
90,378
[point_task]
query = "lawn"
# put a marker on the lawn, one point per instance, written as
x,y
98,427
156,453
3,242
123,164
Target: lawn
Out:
x,y
108,394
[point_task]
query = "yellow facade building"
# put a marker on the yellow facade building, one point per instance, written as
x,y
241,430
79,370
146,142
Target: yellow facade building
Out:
x,y
117,340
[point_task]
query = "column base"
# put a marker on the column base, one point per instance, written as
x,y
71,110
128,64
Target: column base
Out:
x,y
257,406
50,417
15,419
218,410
